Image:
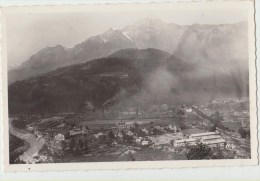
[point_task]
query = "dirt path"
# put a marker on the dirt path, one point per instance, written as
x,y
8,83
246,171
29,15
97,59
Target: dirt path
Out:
x,y
125,152
35,145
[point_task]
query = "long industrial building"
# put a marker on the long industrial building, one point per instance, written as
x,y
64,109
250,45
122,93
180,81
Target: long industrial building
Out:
x,y
212,139
126,123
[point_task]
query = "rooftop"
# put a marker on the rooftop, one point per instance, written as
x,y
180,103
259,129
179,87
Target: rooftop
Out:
x,y
128,121
214,141
211,137
185,140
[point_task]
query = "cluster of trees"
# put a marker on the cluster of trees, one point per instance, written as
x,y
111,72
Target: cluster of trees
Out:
x,y
156,131
244,133
180,113
213,128
69,90
225,128
151,130
14,158
127,138
111,137
217,119
18,123
201,151
221,126
242,106
14,144
77,146
137,130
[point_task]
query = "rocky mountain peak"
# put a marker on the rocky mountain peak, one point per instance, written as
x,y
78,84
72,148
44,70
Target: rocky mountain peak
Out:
x,y
197,43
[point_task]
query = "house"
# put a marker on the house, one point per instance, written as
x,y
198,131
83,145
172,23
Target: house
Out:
x,y
76,131
29,128
138,140
120,135
59,140
145,143
212,139
215,142
145,130
123,125
163,139
59,137
172,127
57,145
183,142
98,135
130,133
230,147
188,110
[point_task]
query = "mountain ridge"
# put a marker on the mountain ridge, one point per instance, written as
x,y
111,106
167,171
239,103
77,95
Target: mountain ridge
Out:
x,y
142,77
193,43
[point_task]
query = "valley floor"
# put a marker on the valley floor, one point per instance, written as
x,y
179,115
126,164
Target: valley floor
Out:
x,y
144,142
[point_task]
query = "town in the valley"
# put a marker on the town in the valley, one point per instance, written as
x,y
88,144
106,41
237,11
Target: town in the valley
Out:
x,y
218,129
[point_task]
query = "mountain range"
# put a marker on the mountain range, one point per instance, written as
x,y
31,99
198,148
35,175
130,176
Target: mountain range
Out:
x,y
221,46
149,62
126,77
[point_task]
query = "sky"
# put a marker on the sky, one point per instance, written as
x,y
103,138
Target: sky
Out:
x,y
27,33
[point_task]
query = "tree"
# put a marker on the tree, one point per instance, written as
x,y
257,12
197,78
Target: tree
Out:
x,y
86,144
102,138
183,126
123,133
140,133
248,133
180,113
18,123
199,151
216,117
218,154
81,144
136,126
157,131
242,106
127,138
111,135
63,145
213,128
242,132
72,144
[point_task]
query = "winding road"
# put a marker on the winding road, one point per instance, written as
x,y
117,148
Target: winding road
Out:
x,y
35,144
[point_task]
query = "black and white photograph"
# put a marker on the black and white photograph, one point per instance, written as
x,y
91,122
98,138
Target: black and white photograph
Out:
x,y
130,84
